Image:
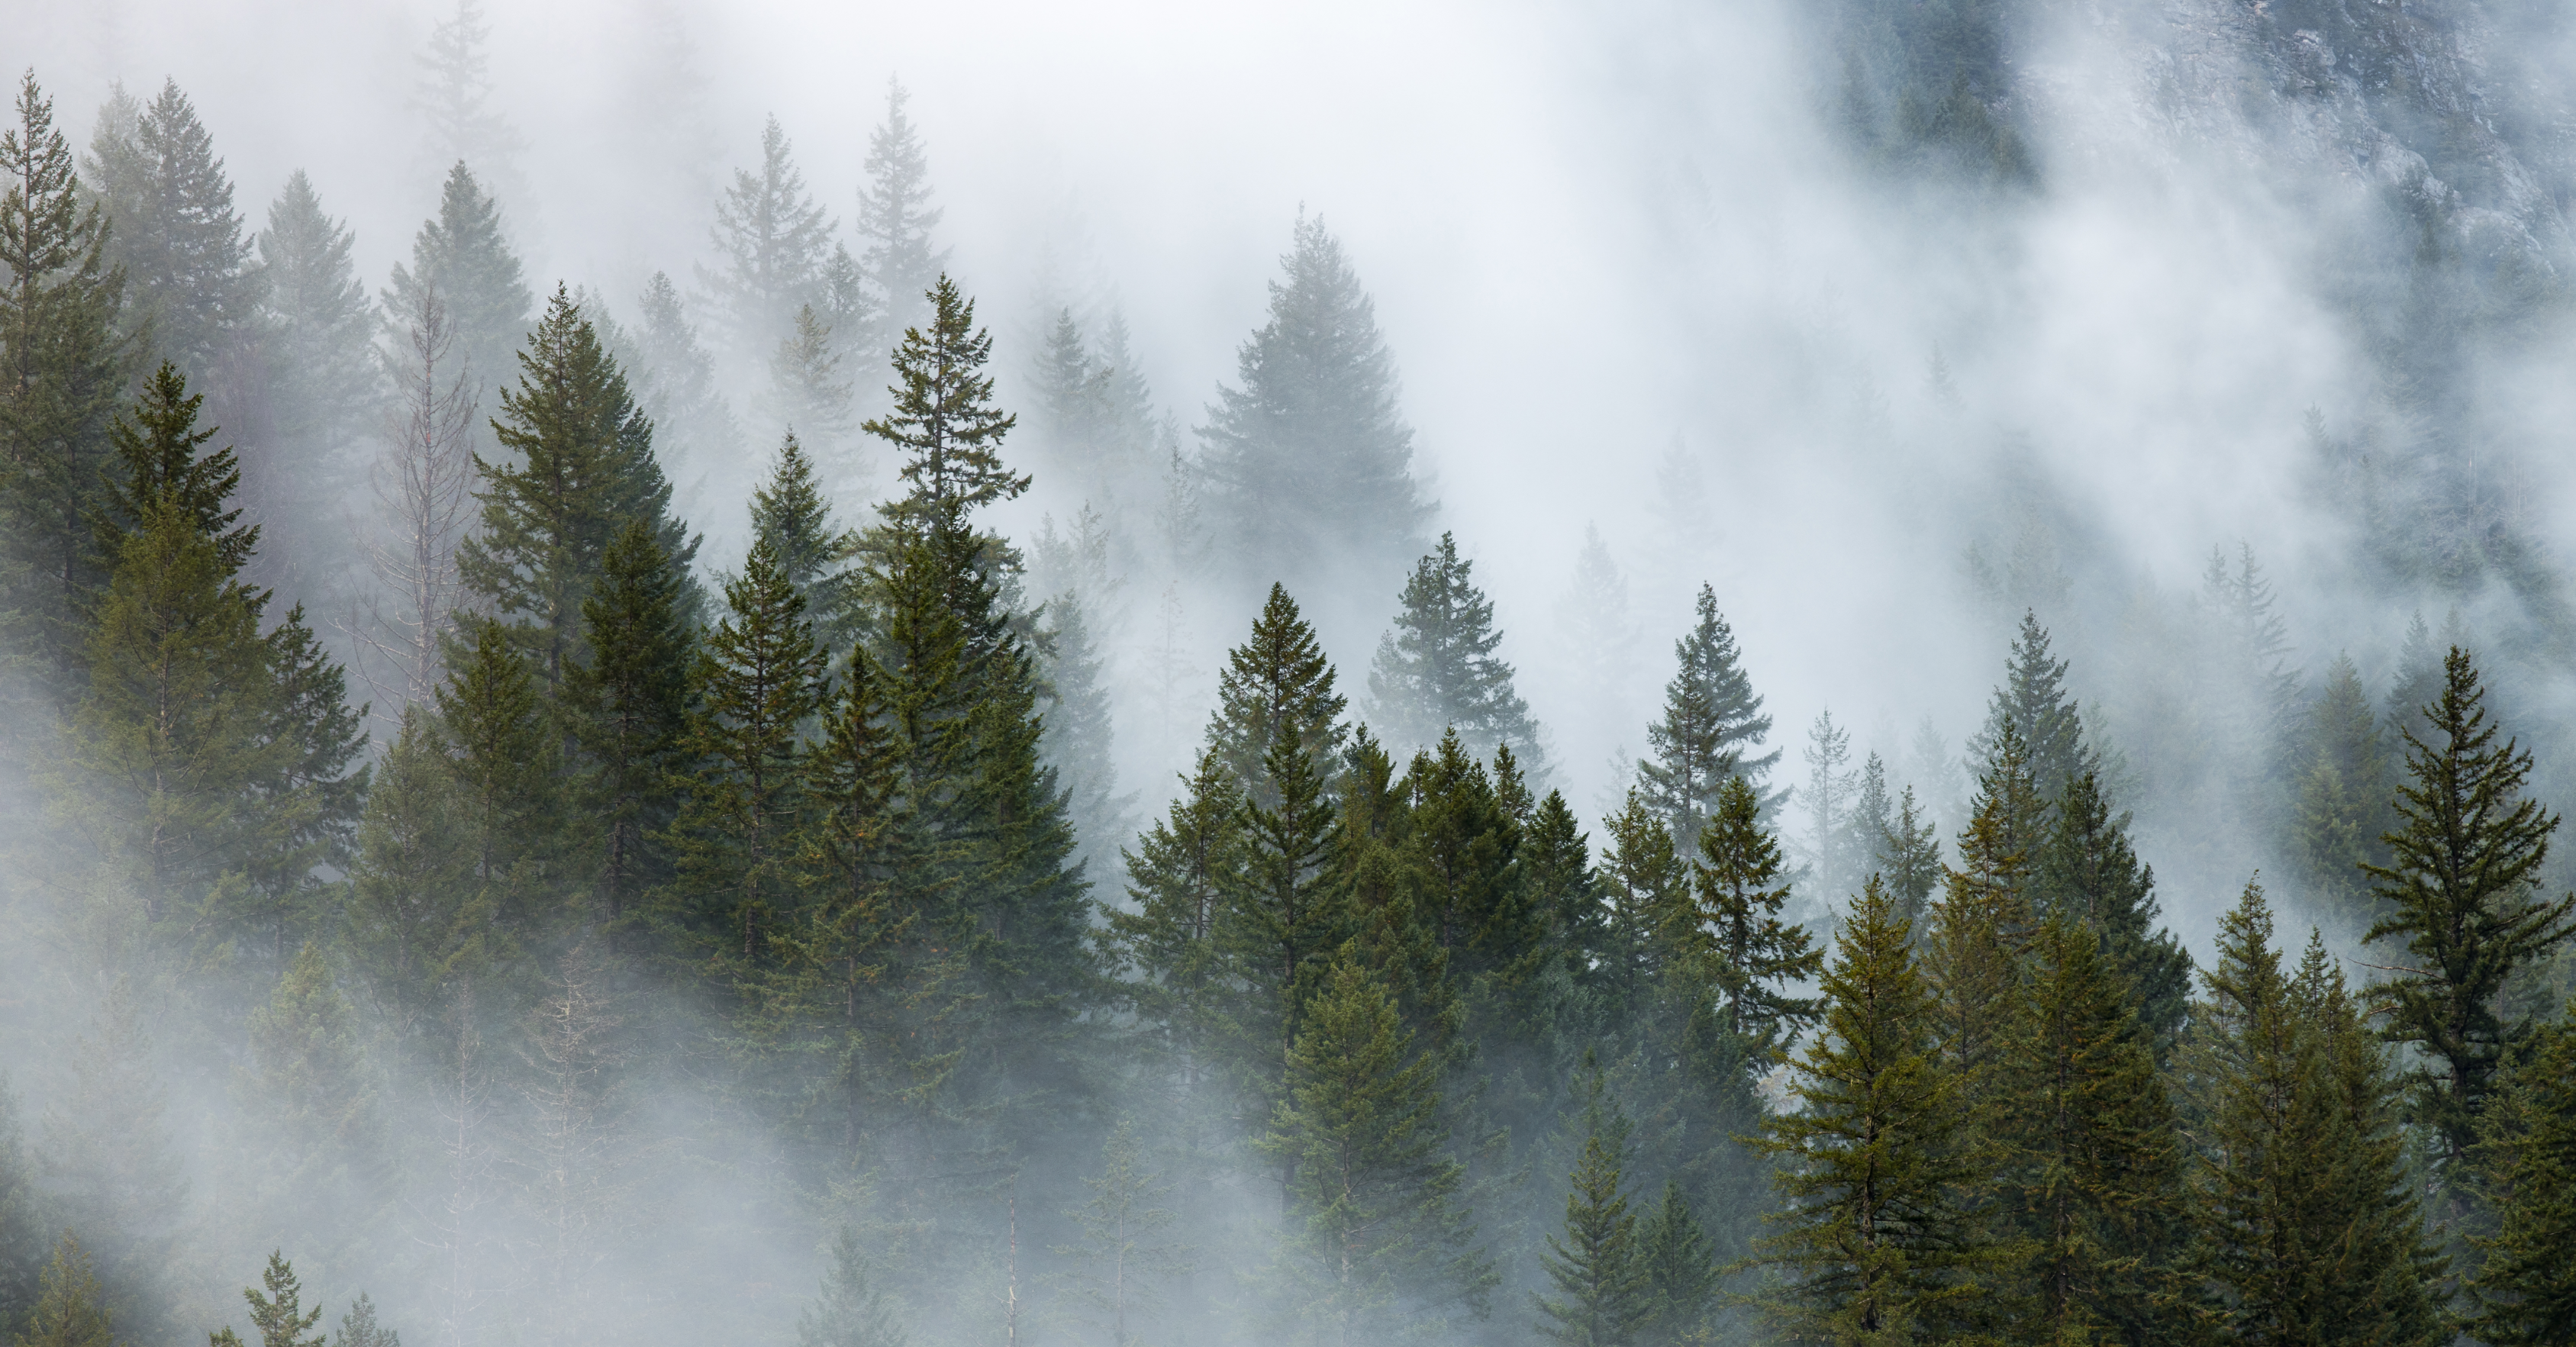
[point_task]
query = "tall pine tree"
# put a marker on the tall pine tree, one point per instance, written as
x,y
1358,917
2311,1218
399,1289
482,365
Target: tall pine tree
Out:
x,y
1711,731
1437,670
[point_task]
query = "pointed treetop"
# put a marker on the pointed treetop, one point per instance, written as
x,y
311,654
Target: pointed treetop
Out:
x,y
1713,722
896,217
157,447
944,421
1437,670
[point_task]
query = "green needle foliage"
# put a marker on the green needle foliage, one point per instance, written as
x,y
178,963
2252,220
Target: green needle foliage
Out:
x,y
2526,1287
1604,1290
2461,883
71,1309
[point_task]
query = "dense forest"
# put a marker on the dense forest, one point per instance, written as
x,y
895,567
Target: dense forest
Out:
x,y
801,801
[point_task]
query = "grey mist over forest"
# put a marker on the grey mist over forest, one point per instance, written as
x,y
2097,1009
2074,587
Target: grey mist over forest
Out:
x,y
1553,563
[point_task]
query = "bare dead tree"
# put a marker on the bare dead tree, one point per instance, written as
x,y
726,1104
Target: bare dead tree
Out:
x,y
423,482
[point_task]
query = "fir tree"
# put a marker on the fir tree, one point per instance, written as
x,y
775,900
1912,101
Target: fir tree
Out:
x,y
1741,892
1437,670
1909,858
1179,875
850,1309
2526,1285
628,702
2343,794
1681,1273
156,452
944,421
175,233
774,242
2093,1161
2307,1231
1712,727
675,382
454,96
2460,891
1309,455
1603,1292
506,757
1982,925
71,1308
358,1328
325,380
1646,887
1121,1251
1381,1237
2034,702
64,375
895,219
413,919
809,396
584,468
1874,1235
2087,872
1277,684
793,514
463,259
1078,744
1599,634
757,679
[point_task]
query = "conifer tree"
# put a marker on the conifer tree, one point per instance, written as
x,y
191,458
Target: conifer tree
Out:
x,y
1873,1232
2092,1159
2526,1285
1078,742
2034,702
1681,1273
2343,793
1073,392
583,469
1909,858
1599,634
64,374
175,234
1563,891
414,919
1646,887
506,757
71,1308
1741,891
944,420
2307,1230
850,1309
675,383
1711,729
628,702
1380,1237
1832,797
278,1316
1310,456
1277,684
1121,1251
421,481
809,395
454,96
1982,925
1179,875
1603,1291
895,219
773,240
1437,670
158,462
2461,892
757,679
793,513
325,381
462,257
358,1328
2087,872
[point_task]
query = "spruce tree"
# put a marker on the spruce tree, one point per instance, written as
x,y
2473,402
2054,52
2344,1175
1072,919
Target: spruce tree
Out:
x,y
2087,872
944,421
2035,703
1310,457
2525,1286
1711,729
278,1315
628,702
506,756
175,233
583,469
894,222
2093,1163
2461,893
1277,684
1179,874
675,383
1754,953
158,463
1646,887
1681,1273
2343,793
758,677
1437,670
1981,927
1079,744
1874,1236
1379,1236
454,96
773,241
462,257
2306,1228
1908,857
414,920
358,1328
793,513
1603,1291
850,1309
71,1307
809,396
64,375
326,381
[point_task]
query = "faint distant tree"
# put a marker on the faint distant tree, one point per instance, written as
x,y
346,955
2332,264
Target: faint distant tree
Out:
x,y
895,220
423,489
454,99
774,243
574,1148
